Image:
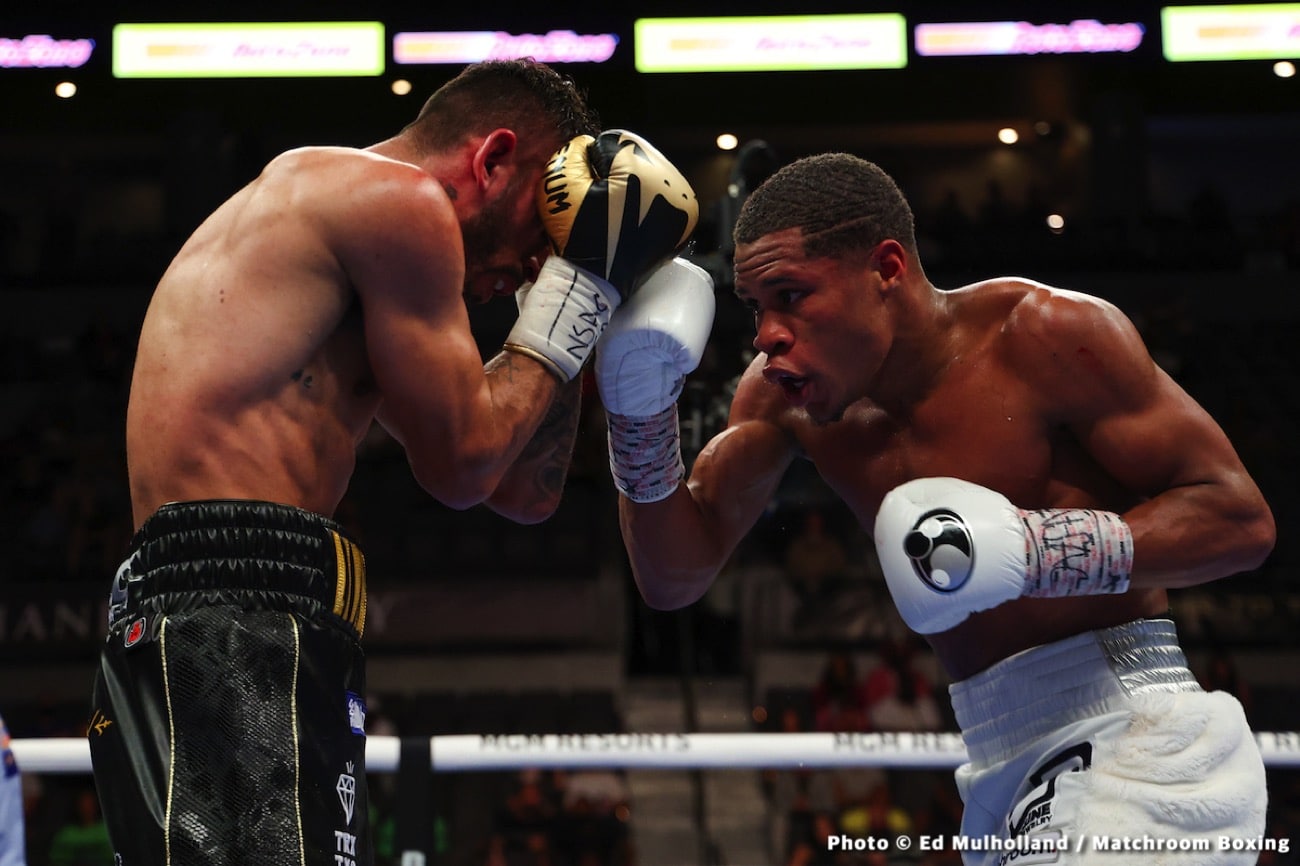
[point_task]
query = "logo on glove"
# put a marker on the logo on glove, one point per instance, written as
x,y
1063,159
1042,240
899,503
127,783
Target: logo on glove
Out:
x,y
941,550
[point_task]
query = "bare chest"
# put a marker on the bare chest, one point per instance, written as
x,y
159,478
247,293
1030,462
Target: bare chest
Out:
x,y
997,438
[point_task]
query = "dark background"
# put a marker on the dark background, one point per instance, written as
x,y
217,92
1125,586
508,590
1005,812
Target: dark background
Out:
x,y
1178,182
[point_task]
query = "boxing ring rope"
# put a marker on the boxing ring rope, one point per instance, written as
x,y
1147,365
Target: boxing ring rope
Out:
x,y
456,753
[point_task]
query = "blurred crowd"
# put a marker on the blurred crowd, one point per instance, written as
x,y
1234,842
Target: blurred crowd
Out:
x,y
65,518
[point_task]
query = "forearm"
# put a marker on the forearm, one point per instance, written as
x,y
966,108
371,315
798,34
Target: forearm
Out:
x,y
1197,533
674,554
520,393
677,545
461,455
531,488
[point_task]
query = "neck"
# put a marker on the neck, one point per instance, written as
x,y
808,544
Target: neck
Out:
x,y
398,148
922,347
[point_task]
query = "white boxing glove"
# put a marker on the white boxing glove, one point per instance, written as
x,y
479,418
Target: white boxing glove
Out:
x,y
950,548
561,315
655,339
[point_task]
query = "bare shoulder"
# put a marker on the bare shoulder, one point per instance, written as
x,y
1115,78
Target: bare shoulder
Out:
x,y
1060,322
354,178
1063,338
388,222
1025,315
349,162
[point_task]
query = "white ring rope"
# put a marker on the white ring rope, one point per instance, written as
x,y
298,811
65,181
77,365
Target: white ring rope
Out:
x,y
657,751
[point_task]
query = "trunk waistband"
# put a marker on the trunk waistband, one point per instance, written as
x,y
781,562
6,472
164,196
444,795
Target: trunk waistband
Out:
x,y
226,544
1004,708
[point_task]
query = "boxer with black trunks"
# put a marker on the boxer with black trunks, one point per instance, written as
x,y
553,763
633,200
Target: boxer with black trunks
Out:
x,y
930,412
228,715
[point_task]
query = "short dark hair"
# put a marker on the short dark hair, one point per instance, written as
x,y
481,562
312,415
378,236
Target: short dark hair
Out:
x,y
843,204
524,95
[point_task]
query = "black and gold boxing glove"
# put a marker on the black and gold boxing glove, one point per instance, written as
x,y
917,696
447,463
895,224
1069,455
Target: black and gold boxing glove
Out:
x,y
614,207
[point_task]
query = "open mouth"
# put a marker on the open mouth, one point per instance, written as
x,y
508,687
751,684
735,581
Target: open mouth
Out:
x,y
794,387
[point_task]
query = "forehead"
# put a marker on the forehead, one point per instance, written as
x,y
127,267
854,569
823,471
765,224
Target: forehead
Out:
x,y
760,257
775,258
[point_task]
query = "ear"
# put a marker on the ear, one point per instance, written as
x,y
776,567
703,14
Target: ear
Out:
x,y
889,259
496,150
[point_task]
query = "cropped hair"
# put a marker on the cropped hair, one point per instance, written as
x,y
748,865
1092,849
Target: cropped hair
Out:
x,y
842,203
524,95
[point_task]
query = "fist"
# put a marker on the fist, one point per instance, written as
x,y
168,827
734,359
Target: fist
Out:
x,y
615,206
949,548
655,339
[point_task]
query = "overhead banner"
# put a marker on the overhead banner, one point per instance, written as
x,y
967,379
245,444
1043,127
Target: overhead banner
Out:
x,y
472,46
1253,32
254,50
991,38
44,52
775,43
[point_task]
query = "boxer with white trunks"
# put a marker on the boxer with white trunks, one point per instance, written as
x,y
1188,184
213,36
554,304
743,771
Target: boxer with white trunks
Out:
x,y
930,412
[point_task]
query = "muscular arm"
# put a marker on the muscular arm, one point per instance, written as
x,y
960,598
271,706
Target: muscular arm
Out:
x,y
531,489
678,545
462,425
1201,516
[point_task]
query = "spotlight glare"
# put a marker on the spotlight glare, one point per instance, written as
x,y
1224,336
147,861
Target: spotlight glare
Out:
x,y
1055,223
65,90
727,141
1007,135
1284,69
401,86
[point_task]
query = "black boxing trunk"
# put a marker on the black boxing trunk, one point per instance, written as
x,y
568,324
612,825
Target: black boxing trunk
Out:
x,y
228,712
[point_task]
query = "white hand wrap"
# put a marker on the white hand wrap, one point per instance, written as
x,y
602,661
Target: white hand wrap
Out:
x,y
645,455
561,316
1076,551
949,548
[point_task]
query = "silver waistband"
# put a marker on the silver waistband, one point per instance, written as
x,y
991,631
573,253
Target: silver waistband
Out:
x,y
1019,699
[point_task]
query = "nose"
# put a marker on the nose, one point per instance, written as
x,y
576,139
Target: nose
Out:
x,y
772,336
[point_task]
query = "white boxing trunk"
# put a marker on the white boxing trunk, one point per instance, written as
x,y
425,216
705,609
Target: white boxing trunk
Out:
x,y
1103,749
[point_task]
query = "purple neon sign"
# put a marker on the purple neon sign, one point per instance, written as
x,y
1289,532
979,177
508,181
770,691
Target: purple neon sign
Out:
x,y
42,51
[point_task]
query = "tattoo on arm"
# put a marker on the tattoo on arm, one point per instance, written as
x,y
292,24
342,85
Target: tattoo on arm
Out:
x,y
551,447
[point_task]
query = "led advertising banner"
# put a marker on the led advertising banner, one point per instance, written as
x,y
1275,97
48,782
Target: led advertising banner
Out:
x,y
254,50
778,43
985,38
43,52
1252,32
472,46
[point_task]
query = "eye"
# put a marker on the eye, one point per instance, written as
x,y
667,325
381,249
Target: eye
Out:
x,y
790,296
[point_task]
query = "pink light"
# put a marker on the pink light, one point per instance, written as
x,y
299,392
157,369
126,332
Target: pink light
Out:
x,y
43,51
